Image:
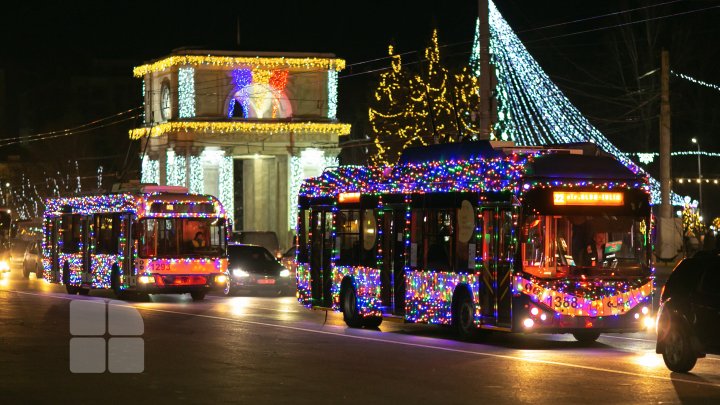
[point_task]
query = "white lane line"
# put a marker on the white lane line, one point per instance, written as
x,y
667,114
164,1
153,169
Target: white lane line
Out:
x,y
409,344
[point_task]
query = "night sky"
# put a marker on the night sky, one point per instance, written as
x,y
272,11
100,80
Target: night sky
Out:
x,y
44,41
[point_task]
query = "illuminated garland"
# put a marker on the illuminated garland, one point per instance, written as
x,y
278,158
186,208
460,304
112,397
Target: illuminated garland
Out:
x,y
229,61
101,266
196,175
585,298
240,127
428,295
186,92
367,287
74,262
696,81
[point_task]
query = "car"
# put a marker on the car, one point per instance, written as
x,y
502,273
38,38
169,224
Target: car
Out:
x,y
266,239
254,268
688,321
32,260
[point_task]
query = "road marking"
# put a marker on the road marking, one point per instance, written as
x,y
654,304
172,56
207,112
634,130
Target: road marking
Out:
x,y
399,343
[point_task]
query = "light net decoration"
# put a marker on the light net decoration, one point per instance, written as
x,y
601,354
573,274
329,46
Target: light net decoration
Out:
x,y
150,171
175,169
532,109
186,92
332,94
225,184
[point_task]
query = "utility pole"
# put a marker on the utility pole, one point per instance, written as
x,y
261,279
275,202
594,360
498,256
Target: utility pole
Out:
x,y
669,228
485,79
665,181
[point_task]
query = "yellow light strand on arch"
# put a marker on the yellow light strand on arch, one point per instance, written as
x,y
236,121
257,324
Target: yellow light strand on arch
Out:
x,y
239,127
229,61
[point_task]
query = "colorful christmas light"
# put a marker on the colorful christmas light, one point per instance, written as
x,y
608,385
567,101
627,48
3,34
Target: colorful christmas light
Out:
x,y
214,128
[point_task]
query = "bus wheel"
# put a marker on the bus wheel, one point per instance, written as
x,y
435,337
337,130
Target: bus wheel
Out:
x,y
115,282
83,291
586,336
198,295
463,319
351,316
372,322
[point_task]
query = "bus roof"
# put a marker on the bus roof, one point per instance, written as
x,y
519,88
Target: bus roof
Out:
x,y
475,167
144,204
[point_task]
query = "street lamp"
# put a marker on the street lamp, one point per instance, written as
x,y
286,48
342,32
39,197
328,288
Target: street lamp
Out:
x,y
700,204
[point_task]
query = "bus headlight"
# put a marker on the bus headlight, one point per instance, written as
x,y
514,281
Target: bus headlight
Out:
x,y
221,279
146,279
528,323
649,323
4,266
240,273
285,273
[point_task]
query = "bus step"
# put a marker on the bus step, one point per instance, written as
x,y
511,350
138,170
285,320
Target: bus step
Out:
x,y
393,318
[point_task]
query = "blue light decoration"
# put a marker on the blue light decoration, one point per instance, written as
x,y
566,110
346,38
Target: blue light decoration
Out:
x,y
367,287
186,92
531,108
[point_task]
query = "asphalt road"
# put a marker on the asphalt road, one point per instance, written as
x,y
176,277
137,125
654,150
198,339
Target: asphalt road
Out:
x,y
264,349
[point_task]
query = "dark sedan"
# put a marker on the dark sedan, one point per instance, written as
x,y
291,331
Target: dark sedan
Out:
x,y
688,323
254,268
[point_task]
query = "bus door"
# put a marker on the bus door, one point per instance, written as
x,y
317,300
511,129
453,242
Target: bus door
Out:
x,y
85,251
392,272
52,225
320,251
498,229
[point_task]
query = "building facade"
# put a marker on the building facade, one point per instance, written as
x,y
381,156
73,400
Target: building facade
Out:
x,y
247,128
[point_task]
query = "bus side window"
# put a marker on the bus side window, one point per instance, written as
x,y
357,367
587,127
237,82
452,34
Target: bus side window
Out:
x,y
70,233
107,233
302,236
348,234
440,237
417,251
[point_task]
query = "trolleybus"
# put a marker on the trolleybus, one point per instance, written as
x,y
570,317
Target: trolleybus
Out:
x,y
145,241
551,240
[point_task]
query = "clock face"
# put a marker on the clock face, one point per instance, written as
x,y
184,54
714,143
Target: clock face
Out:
x,y
165,101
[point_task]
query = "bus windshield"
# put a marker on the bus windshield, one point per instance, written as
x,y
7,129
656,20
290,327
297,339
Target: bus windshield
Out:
x,y
182,237
555,246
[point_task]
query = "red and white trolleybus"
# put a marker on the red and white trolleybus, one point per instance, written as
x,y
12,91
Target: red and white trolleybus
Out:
x,y
552,240
155,240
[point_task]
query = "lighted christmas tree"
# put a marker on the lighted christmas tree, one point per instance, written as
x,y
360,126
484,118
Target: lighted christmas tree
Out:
x,y
430,106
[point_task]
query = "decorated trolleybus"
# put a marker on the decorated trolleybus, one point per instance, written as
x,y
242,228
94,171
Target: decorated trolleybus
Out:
x,y
155,240
509,239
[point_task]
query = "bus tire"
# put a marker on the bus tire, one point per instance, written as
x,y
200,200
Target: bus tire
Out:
x,y
83,291
228,291
198,295
463,315
115,281
586,336
348,298
71,289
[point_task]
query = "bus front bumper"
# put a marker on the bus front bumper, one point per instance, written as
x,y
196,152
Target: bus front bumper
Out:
x,y
180,283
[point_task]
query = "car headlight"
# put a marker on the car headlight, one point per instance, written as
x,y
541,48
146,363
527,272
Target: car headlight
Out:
x,y
4,266
285,273
221,279
240,273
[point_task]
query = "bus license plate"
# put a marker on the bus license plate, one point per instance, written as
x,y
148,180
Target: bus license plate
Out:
x,y
266,281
